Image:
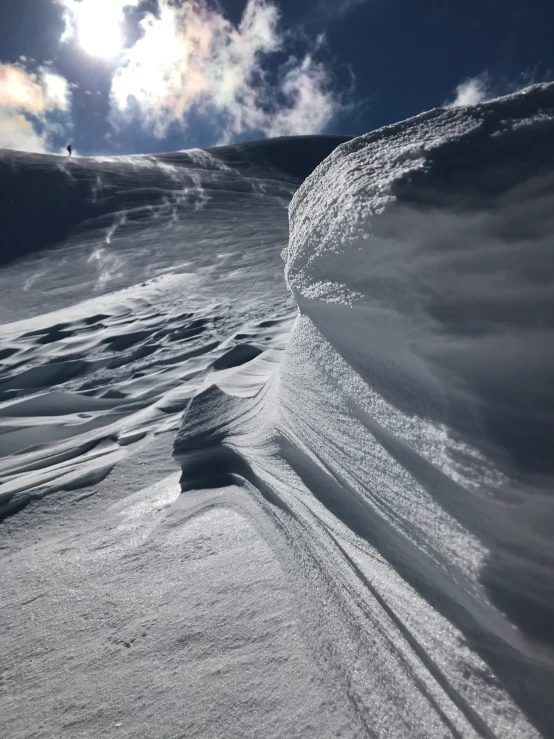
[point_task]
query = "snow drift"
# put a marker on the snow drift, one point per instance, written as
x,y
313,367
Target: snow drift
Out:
x,y
99,257
129,284
70,195
402,446
360,543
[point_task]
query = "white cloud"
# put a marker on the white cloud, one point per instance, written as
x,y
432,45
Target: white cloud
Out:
x,y
16,132
310,102
33,93
55,90
192,58
29,104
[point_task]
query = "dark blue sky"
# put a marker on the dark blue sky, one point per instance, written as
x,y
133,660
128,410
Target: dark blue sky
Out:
x,y
238,70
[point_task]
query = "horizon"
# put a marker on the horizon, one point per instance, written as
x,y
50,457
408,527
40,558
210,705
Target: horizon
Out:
x,y
63,153
117,77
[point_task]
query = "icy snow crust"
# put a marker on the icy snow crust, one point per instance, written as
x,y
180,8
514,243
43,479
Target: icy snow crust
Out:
x,y
403,444
358,542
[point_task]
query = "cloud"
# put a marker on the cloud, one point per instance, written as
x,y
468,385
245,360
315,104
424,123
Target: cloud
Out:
x,y
310,103
33,107
16,132
192,59
472,91
33,93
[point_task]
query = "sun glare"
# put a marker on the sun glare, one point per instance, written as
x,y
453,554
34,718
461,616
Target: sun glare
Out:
x,y
97,26
98,39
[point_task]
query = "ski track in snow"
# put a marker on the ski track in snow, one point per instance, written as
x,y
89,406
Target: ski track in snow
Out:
x,y
358,541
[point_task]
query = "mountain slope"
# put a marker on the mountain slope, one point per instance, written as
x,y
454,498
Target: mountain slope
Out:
x,y
353,537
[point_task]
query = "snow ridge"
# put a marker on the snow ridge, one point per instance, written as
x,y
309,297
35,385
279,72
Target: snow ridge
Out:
x,y
404,438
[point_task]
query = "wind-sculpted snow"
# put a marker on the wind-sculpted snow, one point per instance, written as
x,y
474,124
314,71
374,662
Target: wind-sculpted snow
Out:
x,y
70,195
73,393
127,609
174,239
358,542
78,228
402,447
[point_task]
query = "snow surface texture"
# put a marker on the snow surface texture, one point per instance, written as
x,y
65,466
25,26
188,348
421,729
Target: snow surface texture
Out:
x,y
360,541
190,272
403,443
126,610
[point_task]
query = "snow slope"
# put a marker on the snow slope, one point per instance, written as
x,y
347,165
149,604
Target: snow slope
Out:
x,y
156,289
359,543
124,612
404,442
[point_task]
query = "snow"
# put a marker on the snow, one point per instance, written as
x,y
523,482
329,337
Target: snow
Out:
x,y
358,542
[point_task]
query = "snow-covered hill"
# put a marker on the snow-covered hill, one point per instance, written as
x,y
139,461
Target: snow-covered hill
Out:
x,y
359,539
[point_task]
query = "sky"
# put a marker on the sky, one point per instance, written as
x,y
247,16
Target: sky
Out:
x,y
119,77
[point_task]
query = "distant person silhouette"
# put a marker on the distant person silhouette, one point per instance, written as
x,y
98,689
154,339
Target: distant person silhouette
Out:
x,y
70,149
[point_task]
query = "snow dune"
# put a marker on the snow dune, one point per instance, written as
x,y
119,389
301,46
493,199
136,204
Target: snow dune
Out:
x,y
126,609
405,438
359,540
133,235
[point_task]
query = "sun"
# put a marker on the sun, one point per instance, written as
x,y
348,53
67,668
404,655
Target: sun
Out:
x,y
100,36
97,25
